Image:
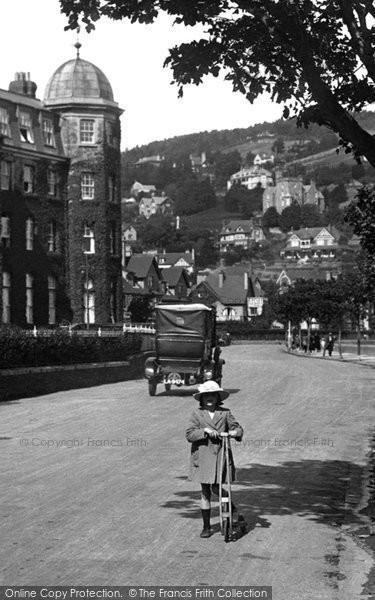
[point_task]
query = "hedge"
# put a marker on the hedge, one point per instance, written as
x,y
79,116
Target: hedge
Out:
x,y
20,349
239,330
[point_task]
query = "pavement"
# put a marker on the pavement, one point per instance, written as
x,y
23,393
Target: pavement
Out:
x,y
95,488
346,356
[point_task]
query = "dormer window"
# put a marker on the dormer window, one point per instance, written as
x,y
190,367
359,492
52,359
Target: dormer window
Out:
x,y
48,133
87,130
4,122
25,126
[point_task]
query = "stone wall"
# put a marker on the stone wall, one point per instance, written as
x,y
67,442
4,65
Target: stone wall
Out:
x,y
29,382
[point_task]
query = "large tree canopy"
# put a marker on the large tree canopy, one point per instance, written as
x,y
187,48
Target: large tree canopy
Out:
x,y
317,57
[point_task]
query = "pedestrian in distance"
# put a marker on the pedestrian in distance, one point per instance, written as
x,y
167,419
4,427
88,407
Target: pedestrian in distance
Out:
x,y
203,432
329,345
317,343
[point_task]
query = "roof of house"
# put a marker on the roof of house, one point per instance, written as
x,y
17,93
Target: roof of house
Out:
x,y
144,186
285,187
253,171
232,226
159,200
126,226
140,264
135,290
173,257
303,272
231,292
308,233
173,275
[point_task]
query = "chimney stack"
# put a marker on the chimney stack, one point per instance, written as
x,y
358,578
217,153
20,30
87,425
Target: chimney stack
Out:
x,y
246,281
221,279
23,85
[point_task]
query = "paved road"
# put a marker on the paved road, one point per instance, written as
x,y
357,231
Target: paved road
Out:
x,y
96,490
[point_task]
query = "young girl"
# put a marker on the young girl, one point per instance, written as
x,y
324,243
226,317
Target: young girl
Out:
x,y
205,425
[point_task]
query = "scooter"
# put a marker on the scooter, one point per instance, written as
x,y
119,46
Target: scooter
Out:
x,y
230,530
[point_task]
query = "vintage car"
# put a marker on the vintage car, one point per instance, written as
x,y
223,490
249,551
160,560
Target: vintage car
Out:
x,y
186,352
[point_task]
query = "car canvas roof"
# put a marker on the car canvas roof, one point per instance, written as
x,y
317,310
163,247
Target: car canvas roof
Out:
x,y
183,307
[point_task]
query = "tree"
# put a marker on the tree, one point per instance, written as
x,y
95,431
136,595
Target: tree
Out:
x,y
192,195
315,57
270,218
225,165
249,158
361,217
155,231
310,216
337,195
278,147
290,218
240,199
140,308
252,203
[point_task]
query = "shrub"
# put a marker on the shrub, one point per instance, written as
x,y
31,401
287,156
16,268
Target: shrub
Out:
x,y
21,349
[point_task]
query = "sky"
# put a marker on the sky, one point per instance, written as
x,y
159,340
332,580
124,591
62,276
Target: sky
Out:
x,y
131,56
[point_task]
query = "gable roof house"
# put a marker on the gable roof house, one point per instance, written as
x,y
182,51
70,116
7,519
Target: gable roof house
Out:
x,y
233,294
289,275
129,233
250,177
139,188
156,205
154,161
177,282
185,259
291,189
240,234
142,276
129,238
311,243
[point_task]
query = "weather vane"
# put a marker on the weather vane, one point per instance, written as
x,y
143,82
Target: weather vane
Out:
x,y
78,45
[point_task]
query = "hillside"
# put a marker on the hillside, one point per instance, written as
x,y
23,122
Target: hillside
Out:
x,y
258,138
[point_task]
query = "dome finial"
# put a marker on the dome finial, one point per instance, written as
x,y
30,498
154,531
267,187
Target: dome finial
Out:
x,y
78,45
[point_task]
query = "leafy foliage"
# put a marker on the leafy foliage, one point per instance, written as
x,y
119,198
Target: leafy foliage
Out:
x,y
304,53
191,195
19,349
270,218
246,202
140,308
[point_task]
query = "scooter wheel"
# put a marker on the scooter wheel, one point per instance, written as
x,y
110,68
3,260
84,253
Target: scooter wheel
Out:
x,y
226,530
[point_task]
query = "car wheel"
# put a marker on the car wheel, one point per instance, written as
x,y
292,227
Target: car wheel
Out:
x,y
152,385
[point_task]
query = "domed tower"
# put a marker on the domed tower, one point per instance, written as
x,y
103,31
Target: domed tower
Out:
x,y
90,130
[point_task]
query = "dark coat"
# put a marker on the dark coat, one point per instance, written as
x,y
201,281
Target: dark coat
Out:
x,y
206,452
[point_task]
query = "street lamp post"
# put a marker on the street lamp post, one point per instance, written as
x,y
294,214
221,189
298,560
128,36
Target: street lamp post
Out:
x,y
87,290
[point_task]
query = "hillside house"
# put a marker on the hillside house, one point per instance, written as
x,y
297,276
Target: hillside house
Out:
x,y
311,242
289,275
291,189
142,276
185,259
236,296
177,282
239,234
154,161
129,233
156,205
251,177
138,189
262,159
